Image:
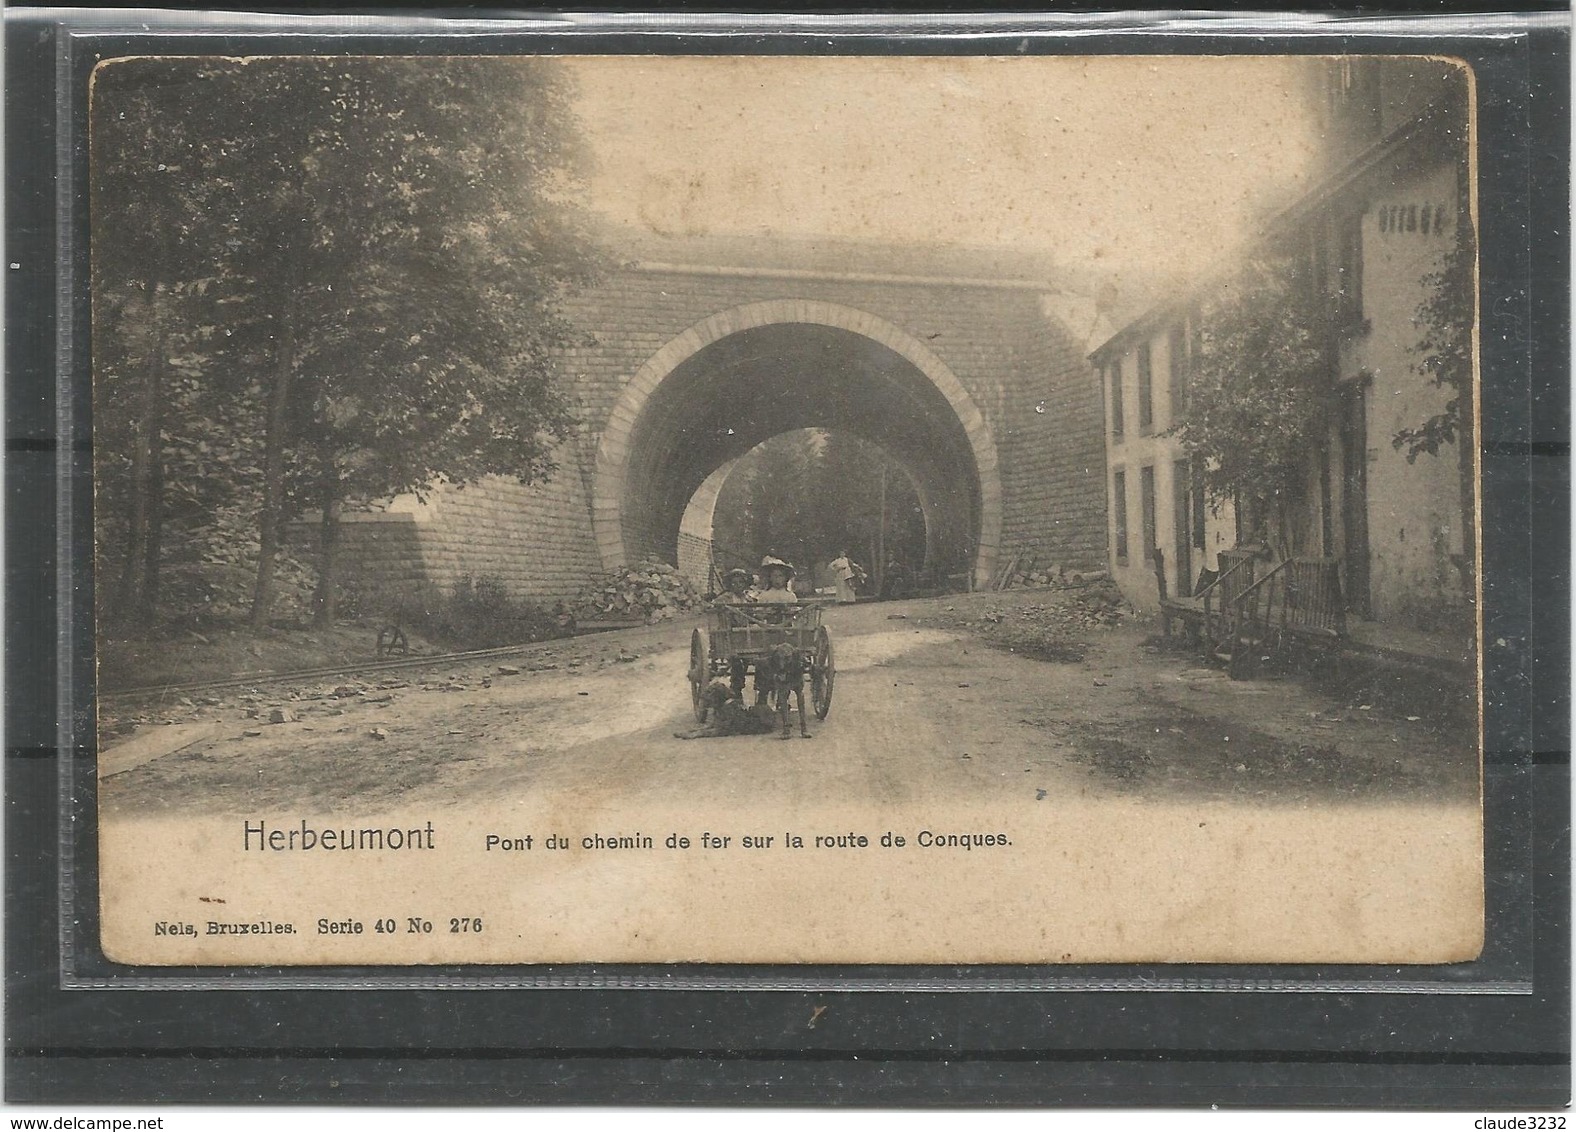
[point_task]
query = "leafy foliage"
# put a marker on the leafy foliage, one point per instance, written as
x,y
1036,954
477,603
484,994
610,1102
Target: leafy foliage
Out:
x,y
478,613
321,280
851,476
767,505
807,495
1446,317
1259,397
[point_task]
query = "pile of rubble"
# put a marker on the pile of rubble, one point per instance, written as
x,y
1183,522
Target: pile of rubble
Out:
x,y
651,592
1052,577
1055,630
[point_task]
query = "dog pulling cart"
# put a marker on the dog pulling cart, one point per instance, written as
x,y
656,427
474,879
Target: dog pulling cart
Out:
x,y
747,633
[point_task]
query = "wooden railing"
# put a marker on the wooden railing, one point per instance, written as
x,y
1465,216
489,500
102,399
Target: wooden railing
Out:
x,y
1312,601
1208,611
1236,579
1298,599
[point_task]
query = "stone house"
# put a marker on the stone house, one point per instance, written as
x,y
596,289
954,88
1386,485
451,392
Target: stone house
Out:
x,y
1392,189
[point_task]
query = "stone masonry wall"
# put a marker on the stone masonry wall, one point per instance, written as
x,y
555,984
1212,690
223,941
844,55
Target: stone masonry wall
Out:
x,y
380,558
1013,360
695,560
1049,434
535,538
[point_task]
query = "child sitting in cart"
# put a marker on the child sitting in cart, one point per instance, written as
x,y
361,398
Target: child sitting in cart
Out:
x,y
778,575
737,593
737,589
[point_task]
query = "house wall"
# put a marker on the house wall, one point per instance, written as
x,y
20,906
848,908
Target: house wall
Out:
x,y
1414,509
1414,515
1139,446
1404,200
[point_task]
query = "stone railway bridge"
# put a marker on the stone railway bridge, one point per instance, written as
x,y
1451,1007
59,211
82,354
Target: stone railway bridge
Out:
x,y
970,374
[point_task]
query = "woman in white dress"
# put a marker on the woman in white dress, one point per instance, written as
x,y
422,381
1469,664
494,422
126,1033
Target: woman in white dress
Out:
x,y
848,575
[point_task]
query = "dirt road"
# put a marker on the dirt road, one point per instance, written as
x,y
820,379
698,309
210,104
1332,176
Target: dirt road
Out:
x,y
1118,802
924,708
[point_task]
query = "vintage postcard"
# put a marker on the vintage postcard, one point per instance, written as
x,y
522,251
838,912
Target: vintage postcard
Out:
x,y
786,509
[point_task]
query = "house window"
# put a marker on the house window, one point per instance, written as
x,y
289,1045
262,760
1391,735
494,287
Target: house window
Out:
x,y
1118,412
1181,528
1346,271
1146,497
1176,355
1197,482
1119,512
1146,389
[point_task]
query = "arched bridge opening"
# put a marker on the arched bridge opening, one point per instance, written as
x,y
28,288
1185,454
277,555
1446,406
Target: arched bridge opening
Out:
x,y
854,497
742,377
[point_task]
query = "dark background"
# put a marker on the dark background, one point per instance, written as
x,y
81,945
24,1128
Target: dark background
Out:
x,y
1022,1041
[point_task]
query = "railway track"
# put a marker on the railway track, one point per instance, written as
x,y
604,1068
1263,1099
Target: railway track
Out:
x,y
398,664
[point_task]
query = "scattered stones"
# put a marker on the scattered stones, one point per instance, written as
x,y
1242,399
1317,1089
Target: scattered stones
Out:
x,y
282,715
652,591
378,733
251,734
508,670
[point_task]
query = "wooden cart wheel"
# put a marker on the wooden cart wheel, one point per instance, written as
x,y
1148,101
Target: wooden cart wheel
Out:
x,y
699,674
823,671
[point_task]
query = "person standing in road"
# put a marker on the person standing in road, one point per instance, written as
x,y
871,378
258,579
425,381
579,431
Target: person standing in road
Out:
x,y
848,576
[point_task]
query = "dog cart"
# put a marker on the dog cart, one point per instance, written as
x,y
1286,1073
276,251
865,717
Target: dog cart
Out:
x,y
747,633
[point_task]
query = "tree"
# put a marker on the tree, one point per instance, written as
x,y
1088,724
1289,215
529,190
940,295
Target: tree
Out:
x,y
401,233
808,494
1446,318
152,291
767,505
871,507
1258,401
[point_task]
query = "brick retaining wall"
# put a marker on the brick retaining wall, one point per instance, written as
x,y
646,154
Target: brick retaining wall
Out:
x,y
1026,375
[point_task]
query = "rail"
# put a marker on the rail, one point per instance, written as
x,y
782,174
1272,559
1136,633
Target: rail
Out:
x,y
1226,582
1297,598
247,679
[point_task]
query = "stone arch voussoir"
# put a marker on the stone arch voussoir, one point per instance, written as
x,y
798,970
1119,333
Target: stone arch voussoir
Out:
x,y
612,455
